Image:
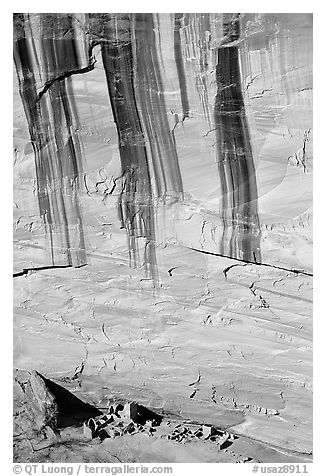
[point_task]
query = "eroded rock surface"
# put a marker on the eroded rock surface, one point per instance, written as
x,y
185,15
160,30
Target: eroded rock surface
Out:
x,y
163,231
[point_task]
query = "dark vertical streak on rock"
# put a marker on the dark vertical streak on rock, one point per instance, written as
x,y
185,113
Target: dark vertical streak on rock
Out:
x,y
165,163
180,66
235,161
198,45
204,48
135,201
159,36
56,146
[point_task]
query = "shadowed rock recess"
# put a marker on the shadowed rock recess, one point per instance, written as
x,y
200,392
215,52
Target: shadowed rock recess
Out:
x,y
162,237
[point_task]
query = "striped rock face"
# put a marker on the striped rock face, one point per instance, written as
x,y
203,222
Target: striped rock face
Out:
x,y
163,212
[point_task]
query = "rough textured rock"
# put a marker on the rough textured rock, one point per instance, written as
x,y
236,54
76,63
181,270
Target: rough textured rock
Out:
x,y
41,406
163,221
45,407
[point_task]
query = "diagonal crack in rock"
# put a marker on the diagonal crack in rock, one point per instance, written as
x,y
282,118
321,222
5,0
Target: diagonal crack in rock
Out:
x,y
290,270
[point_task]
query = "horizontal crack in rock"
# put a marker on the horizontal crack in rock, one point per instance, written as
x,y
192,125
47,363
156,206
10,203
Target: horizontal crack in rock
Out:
x,y
25,271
